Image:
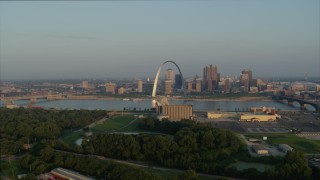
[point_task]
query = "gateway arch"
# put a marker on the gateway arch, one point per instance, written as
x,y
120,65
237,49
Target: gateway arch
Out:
x,y
154,90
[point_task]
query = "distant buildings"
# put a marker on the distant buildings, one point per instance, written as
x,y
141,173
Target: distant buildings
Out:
x,y
85,84
110,88
140,86
210,78
169,82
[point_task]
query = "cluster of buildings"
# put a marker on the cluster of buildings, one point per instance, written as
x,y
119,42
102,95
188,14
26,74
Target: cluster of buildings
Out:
x,y
210,82
256,114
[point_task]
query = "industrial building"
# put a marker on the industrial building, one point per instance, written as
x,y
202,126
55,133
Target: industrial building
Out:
x,y
175,112
258,117
259,149
219,114
285,147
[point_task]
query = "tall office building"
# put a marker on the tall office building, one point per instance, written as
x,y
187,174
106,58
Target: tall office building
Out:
x,y
140,86
244,82
247,71
227,85
85,84
110,88
198,85
169,74
168,86
178,81
189,86
252,82
210,78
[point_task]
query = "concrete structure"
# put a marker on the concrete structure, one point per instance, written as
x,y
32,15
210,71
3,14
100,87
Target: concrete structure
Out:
x,y
85,85
176,112
210,78
169,75
259,149
140,86
219,114
121,90
244,82
110,88
178,81
67,174
285,148
257,117
154,90
189,86
198,85
168,87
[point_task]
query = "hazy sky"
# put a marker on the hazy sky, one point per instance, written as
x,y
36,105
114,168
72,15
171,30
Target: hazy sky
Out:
x,y
108,39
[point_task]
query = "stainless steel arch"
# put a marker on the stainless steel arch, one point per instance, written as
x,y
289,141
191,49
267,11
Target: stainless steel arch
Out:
x,y
157,77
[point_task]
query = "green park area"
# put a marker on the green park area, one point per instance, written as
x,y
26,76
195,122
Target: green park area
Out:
x,y
70,137
299,143
120,123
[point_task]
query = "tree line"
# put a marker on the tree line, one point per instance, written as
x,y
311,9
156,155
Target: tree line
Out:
x,y
20,126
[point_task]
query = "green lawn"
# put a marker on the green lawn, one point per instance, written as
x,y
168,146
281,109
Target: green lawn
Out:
x,y
113,124
298,143
71,137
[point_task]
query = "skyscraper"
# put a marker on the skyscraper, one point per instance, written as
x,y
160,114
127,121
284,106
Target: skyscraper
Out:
x,y
249,72
85,84
178,81
244,82
168,86
250,80
140,86
169,74
210,78
110,87
198,85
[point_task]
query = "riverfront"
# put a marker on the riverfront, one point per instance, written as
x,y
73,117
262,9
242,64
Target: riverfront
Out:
x,y
145,104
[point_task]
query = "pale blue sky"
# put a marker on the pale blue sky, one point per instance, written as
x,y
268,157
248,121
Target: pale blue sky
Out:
x,y
109,39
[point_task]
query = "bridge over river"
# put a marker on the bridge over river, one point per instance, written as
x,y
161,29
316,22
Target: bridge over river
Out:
x,y
302,102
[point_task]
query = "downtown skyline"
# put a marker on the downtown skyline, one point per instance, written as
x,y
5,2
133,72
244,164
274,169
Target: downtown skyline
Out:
x,y
71,40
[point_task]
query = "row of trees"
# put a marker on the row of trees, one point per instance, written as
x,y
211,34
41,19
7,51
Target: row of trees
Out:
x,y
192,145
20,126
48,158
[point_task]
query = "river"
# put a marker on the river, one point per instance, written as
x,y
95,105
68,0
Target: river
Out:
x,y
146,104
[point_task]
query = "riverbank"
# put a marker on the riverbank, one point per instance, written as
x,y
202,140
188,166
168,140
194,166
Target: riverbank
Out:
x,y
244,99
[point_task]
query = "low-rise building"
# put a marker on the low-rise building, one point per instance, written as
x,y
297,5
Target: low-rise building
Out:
x,y
257,117
285,147
219,114
259,149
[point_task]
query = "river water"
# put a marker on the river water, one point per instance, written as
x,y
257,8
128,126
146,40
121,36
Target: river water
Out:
x,y
146,104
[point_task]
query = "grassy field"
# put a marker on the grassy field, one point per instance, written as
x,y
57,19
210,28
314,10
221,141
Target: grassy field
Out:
x,y
71,137
114,124
126,123
298,143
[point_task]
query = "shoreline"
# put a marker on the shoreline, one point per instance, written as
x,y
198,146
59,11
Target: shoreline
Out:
x,y
242,99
